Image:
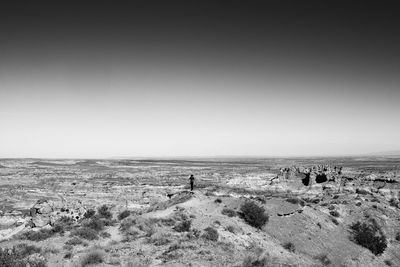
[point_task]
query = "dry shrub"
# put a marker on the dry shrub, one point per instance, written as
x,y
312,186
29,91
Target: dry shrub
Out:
x,y
168,221
95,223
210,234
323,258
124,215
289,246
398,236
334,213
89,213
159,239
253,214
93,257
74,241
42,234
262,260
370,236
231,228
86,233
336,222
228,212
105,234
183,226
104,212
131,226
22,255
63,224
138,263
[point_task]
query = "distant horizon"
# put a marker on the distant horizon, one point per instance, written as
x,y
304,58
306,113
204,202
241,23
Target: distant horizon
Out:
x,y
393,153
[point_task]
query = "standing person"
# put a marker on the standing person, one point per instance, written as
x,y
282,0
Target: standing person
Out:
x,y
191,178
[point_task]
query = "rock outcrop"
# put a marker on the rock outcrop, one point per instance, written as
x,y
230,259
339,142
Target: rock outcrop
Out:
x,y
333,179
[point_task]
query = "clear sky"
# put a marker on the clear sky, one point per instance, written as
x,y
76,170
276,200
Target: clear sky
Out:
x,y
197,81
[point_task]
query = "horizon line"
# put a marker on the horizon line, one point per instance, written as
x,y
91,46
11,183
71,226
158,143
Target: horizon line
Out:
x,y
374,154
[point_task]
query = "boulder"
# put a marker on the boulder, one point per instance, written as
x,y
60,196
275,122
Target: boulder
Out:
x,y
387,193
7,221
40,221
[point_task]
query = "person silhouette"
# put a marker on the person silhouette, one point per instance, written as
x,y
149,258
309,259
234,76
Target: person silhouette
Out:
x,y
191,178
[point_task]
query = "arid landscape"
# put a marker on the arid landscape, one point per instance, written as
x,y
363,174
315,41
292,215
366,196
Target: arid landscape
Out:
x,y
242,212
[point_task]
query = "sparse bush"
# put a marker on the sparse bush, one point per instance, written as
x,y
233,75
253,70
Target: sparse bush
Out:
x,y
394,202
94,257
130,226
316,200
334,213
388,262
86,233
74,241
159,239
210,234
51,250
139,263
231,228
398,236
22,255
194,233
171,253
336,222
168,221
68,247
148,226
183,226
228,212
323,258
63,224
8,258
95,223
289,246
218,200
89,213
253,214
362,191
65,220
108,222
261,260
370,236
68,255
24,250
103,212
126,224
105,234
124,214
40,235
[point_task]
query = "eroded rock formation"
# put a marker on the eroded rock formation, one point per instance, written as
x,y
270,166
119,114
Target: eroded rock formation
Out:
x,y
325,178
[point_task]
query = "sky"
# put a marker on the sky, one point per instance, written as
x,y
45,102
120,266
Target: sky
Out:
x,y
198,79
